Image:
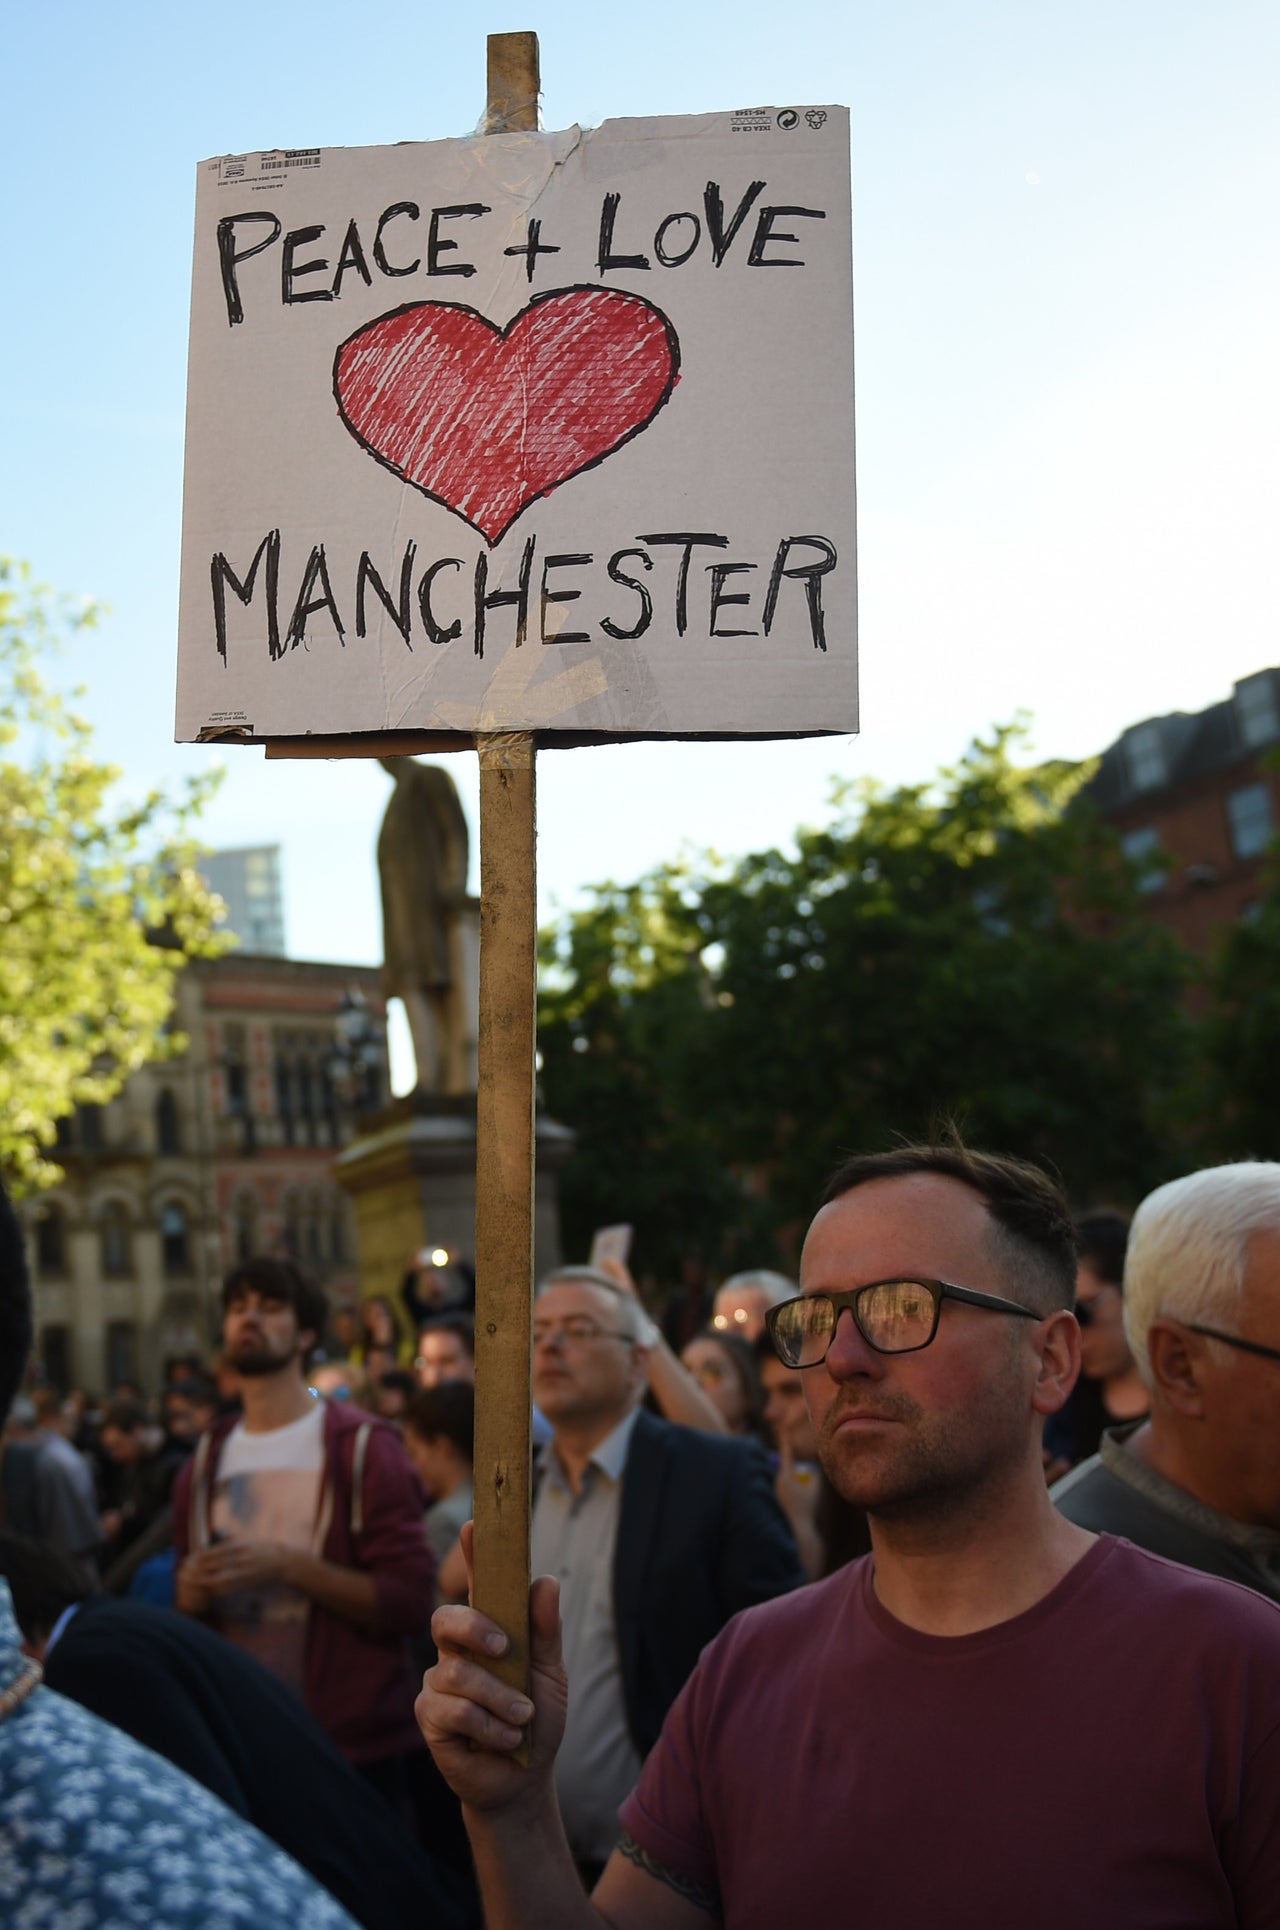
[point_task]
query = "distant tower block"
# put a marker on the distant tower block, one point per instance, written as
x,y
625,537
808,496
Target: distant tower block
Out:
x,y
249,880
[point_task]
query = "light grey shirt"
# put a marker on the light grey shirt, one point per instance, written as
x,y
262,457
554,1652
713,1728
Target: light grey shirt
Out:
x,y
1258,1547
574,1536
443,1523
65,1500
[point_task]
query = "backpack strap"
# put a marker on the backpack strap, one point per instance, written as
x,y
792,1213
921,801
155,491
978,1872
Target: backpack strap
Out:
x,y
198,1521
357,1476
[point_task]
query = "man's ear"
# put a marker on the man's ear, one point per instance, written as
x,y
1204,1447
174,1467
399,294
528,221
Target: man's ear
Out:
x,y
1058,1350
1177,1361
308,1341
640,1359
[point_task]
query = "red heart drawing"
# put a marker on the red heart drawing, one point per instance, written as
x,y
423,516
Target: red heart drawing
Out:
x,y
484,419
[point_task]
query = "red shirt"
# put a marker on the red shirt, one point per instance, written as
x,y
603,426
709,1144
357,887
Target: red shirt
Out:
x,y
1109,1760
358,1682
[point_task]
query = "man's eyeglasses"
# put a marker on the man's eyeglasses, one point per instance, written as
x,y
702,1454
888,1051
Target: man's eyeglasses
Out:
x,y
576,1328
893,1317
1234,1340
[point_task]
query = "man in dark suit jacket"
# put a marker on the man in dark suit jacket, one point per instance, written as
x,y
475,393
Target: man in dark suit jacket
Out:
x,y
658,1534
227,1721
700,1536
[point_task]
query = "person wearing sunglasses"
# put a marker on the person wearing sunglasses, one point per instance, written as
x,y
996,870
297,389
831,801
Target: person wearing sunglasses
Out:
x,y
889,1745
1199,1481
1110,1391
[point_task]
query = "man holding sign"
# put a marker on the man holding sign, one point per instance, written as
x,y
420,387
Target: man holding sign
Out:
x,y
521,440
885,1747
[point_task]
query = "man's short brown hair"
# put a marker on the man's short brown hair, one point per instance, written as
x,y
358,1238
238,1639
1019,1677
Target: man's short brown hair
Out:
x,y
1031,1220
448,1410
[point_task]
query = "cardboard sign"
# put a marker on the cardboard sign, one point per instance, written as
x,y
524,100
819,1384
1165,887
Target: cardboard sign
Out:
x,y
545,432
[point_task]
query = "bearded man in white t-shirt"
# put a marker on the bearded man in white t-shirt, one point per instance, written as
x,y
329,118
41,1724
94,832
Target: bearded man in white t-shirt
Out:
x,y
298,1528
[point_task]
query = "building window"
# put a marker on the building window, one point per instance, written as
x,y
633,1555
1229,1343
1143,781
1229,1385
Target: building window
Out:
x,y
1144,752
1142,849
122,1353
337,1230
291,1215
245,1235
307,1099
115,1241
168,1125
329,1106
51,1240
175,1239
1249,817
284,1098
311,1233
233,1059
1256,711
91,1129
55,1356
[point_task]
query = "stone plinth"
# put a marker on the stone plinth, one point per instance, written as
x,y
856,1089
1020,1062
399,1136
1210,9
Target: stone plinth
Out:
x,y
412,1179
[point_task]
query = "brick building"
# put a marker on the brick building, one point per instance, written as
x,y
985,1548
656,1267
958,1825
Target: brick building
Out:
x,y
1199,798
200,1160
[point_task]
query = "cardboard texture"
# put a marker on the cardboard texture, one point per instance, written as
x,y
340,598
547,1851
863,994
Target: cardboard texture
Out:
x,y
539,432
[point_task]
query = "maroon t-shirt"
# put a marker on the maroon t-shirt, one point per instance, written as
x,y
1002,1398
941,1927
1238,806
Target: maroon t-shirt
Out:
x,y
1108,1761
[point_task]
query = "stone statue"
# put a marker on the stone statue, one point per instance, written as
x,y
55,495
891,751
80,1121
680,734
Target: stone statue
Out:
x,y
426,919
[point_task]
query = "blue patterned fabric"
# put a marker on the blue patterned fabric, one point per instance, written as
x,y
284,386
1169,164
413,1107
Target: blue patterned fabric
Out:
x,y
97,1833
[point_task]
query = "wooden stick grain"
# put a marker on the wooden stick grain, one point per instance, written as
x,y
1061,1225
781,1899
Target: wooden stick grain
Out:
x,y
514,84
505,1096
504,1130
504,1189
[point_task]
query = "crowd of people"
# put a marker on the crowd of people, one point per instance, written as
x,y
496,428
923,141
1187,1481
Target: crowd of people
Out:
x,y
821,1604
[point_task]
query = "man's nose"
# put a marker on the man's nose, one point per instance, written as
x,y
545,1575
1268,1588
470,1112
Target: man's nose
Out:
x,y
849,1355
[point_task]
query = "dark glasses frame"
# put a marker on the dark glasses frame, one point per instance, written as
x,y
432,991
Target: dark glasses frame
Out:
x,y
850,1301
1086,1311
1233,1340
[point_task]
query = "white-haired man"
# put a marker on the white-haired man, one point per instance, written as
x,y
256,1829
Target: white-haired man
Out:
x,y
1199,1481
745,1298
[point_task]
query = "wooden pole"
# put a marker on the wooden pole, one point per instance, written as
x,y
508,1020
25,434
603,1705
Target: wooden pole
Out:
x,y
505,1093
514,84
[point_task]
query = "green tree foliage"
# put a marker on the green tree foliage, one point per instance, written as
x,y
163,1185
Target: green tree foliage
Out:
x,y
974,948
625,998
1242,1032
100,904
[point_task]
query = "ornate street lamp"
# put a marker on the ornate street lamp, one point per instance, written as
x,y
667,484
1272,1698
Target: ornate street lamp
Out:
x,y
355,1063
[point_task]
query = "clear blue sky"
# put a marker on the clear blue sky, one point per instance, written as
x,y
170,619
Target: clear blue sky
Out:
x,y
1066,293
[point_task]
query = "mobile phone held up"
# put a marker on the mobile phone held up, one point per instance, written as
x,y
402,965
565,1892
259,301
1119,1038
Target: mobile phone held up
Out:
x,y
610,1243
